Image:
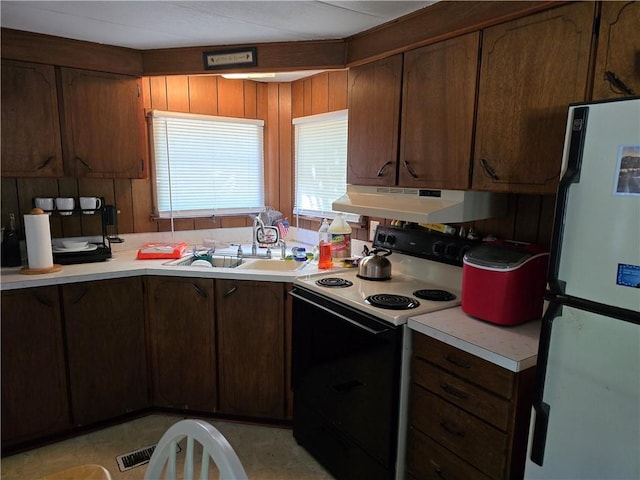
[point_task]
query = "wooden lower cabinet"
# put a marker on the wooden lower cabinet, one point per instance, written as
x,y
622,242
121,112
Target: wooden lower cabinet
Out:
x,y
181,334
251,348
107,359
468,418
34,384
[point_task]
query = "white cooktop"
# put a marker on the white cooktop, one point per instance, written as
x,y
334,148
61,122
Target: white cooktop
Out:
x,y
399,284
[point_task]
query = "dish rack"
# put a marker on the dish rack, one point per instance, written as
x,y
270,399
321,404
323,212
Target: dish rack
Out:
x,y
109,221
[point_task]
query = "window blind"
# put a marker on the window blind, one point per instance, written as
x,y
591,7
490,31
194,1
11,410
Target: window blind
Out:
x,y
207,165
321,163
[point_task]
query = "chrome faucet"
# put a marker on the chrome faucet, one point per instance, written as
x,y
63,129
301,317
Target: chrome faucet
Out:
x,y
254,245
283,248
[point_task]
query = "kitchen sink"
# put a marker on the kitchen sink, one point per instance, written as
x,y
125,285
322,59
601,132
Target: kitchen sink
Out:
x,y
220,261
273,265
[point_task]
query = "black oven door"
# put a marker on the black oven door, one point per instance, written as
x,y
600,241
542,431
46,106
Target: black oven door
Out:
x,y
346,380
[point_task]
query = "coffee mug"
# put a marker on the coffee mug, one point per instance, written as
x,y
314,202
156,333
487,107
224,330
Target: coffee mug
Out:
x,y
88,205
65,205
45,203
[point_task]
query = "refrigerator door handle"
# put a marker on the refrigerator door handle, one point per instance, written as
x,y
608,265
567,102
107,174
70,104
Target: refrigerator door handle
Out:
x,y
539,439
541,408
571,163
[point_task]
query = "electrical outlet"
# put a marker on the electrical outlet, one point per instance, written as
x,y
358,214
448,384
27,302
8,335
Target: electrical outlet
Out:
x,y
372,229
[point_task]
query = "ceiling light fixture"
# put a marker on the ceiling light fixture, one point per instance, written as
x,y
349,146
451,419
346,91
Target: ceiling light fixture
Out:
x,y
244,76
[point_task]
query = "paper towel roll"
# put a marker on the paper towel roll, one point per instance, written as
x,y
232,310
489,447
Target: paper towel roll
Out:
x,y
38,237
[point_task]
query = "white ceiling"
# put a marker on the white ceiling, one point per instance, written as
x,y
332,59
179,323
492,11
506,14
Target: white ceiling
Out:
x,y
164,24
151,24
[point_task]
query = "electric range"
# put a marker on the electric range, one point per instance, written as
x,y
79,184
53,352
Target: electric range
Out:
x,y
351,357
422,261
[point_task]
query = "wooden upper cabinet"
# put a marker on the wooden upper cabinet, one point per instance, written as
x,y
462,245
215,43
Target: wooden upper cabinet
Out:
x,y
374,115
438,100
531,70
30,125
617,63
104,132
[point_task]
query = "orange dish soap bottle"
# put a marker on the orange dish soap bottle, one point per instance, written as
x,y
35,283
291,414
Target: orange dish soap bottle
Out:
x,y
324,245
340,237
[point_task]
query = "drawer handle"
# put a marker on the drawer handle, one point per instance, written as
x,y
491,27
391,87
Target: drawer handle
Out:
x,y
456,362
452,429
438,470
46,162
451,390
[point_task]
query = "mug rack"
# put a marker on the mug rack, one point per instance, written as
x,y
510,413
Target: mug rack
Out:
x,y
109,223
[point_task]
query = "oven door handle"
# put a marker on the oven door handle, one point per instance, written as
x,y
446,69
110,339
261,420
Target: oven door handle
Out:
x,y
346,319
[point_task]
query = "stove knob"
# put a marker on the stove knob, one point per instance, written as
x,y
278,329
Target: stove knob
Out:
x,y
391,240
451,251
438,248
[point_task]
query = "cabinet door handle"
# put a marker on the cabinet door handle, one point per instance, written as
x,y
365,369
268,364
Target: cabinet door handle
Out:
x,y
438,470
616,83
457,362
488,170
84,163
46,162
383,168
199,290
231,291
452,429
409,169
44,301
451,390
79,296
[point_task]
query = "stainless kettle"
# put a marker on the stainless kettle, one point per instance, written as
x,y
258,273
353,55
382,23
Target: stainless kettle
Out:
x,y
375,265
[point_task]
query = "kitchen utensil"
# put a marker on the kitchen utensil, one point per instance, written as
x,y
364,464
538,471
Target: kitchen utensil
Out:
x,y
375,265
45,203
65,205
69,244
88,205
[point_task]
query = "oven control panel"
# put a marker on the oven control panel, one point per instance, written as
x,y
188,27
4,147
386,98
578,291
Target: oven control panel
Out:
x,y
423,243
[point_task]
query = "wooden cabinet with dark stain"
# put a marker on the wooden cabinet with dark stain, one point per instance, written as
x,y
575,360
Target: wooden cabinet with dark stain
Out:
x,y
103,124
531,70
34,382
427,142
468,418
374,118
30,125
438,101
617,70
181,335
251,348
106,345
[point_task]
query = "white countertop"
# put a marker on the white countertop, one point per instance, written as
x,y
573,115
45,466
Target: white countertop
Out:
x,y
125,264
514,348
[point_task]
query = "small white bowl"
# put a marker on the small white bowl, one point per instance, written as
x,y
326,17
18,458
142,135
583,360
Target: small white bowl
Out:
x,y
201,263
74,244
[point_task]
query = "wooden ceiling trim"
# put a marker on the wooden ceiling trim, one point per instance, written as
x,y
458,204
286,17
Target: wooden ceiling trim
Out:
x,y
39,48
442,20
272,57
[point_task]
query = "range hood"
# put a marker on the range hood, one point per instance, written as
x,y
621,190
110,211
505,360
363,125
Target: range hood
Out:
x,y
421,205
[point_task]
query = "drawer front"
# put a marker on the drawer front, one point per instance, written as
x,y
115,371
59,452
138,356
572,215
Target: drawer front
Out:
x,y
477,442
485,405
462,364
428,460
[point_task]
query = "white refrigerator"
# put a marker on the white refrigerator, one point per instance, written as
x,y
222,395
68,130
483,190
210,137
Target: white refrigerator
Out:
x,y
586,411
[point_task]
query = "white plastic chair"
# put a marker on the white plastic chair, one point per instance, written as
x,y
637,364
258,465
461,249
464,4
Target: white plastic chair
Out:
x,y
214,445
